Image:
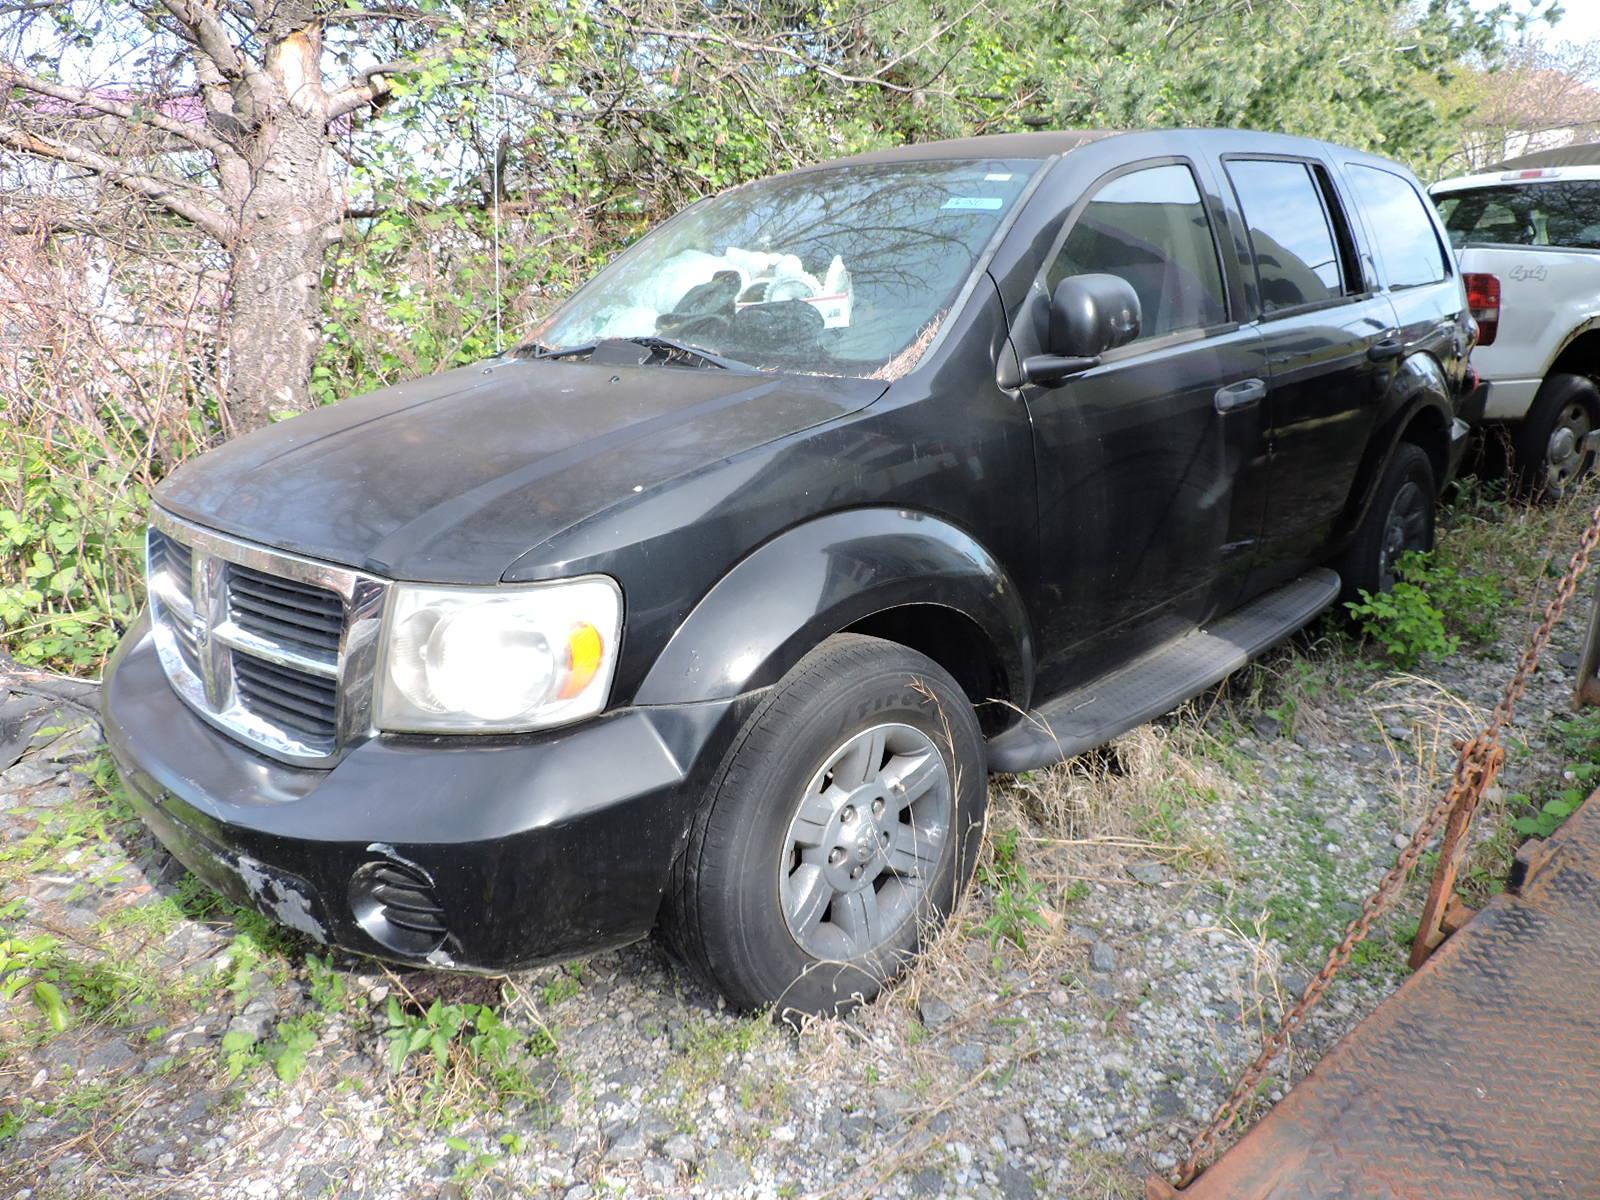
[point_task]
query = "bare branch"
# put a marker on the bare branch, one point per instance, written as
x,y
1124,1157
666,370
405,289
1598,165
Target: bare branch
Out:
x,y
204,29
369,84
211,220
702,36
348,99
191,132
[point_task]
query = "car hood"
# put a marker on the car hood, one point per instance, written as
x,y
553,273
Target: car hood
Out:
x,y
451,478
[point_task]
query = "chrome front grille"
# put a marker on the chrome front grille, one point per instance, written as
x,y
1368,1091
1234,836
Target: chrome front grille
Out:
x,y
275,649
173,558
296,700
293,614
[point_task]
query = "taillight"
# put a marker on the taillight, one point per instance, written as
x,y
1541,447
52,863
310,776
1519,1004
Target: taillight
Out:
x,y
1483,298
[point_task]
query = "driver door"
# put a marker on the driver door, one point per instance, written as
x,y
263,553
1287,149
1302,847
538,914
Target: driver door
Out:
x,y
1149,463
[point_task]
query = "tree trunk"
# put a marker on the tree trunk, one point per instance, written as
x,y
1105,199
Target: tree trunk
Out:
x,y
287,215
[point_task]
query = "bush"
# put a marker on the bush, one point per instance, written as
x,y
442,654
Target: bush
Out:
x,y
92,413
1429,611
71,546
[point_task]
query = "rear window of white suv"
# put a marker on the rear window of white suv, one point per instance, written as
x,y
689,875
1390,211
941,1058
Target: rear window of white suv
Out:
x,y
1560,213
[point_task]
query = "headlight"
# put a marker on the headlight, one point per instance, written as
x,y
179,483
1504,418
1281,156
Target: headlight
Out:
x,y
504,658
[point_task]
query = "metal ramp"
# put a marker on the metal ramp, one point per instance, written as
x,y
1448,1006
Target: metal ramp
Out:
x,y
1479,1078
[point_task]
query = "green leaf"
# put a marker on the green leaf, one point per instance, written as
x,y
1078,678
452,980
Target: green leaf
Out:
x,y
48,997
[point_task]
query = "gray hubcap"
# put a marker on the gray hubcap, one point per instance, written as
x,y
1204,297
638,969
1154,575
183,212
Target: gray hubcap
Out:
x,y
1406,529
1568,446
865,841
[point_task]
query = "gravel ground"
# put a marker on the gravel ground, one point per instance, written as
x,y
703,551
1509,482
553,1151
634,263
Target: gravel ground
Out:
x,y
1143,913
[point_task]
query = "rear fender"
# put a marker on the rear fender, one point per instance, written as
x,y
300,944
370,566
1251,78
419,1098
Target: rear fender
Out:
x,y
818,578
1420,392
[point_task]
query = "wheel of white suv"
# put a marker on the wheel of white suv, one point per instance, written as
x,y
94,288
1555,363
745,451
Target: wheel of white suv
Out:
x,y
838,834
1551,445
1400,520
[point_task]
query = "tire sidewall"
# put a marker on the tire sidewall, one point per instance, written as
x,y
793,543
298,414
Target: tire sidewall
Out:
x,y
1531,442
896,688
1362,565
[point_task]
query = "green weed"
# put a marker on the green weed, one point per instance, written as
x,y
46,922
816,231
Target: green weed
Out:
x,y
1430,610
239,1052
567,984
1553,813
34,966
327,983
467,1047
1017,900
292,1041
108,988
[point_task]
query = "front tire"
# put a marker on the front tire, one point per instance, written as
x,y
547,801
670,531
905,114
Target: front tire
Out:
x,y
1549,445
838,834
1400,520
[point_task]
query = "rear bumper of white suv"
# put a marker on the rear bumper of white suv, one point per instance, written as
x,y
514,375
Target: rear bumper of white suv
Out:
x,y
1508,399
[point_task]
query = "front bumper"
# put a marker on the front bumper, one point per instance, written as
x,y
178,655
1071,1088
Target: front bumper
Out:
x,y
535,847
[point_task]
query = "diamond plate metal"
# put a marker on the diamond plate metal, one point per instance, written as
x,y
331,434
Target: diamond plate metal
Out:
x,y
1479,1078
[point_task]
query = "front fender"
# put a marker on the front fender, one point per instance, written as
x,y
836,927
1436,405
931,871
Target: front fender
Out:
x,y
1420,391
817,578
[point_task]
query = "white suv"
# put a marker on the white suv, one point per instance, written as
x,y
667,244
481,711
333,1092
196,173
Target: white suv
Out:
x,y
1528,239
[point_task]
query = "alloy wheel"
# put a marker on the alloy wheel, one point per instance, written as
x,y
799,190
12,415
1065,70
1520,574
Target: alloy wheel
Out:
x,y
865,841
1405,529
1567,452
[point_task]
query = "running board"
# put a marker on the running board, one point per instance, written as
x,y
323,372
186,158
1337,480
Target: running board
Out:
x,y
1161,680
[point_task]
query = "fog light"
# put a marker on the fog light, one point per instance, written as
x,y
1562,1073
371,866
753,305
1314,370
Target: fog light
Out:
x,y
394,903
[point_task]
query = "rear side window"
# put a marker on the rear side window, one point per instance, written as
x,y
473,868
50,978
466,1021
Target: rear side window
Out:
x,y
1290,234
1150,227
1564,214
1400,222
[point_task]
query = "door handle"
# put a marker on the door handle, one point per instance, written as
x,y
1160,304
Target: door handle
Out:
x,y
1383,351
1240,395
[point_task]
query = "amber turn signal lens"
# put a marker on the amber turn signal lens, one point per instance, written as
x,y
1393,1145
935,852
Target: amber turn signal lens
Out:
x,y
584,652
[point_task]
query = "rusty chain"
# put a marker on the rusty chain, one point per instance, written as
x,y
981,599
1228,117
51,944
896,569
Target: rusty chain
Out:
x,y
1476,766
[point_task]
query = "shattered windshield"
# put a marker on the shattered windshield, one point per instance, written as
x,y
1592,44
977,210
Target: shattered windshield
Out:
x,y
836,271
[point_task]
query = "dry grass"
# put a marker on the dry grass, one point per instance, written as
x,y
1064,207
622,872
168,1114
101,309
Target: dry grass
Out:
x,y
1054,835
1435,721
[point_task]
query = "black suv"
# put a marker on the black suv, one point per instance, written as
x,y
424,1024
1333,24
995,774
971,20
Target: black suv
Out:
x,y
714,606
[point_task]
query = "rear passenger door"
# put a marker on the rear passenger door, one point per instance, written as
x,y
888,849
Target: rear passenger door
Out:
x,y
1419,273
1331,343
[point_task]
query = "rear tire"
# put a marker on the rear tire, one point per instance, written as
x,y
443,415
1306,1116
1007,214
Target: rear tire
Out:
x,y
1548,444
1400,519
838,832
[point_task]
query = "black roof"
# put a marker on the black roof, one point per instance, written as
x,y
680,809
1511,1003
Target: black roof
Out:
x,y
1585,154
990,145
1049,144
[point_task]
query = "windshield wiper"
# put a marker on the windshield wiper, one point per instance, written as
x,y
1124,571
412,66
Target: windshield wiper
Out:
x,y
673,346
669,349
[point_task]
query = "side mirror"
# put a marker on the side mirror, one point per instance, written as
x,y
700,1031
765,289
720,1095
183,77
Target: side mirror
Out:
x,y
1089,314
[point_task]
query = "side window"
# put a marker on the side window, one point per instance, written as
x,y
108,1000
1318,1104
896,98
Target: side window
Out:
x,y
1150,228
1406,238
1296,259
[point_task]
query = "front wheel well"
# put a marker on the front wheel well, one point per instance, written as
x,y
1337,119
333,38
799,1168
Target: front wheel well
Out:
x,y
958,644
